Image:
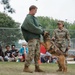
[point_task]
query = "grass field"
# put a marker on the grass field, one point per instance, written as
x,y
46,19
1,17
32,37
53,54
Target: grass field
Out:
x,y
14,68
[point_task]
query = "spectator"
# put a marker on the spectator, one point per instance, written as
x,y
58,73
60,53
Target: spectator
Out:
x,y
23,52
8,54
14,52
1,54
45,56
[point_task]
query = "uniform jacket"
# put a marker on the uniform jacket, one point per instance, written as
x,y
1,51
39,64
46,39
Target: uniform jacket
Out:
x,y
30,28
61,36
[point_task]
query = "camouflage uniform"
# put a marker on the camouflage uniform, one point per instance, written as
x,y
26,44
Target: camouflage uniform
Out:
x,y
61,37
31,31
34,52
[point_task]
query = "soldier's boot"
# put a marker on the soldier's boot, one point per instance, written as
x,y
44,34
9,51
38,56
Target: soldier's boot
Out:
x,y
37,69
26,69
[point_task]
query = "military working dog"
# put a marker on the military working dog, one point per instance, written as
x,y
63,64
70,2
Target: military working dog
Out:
x,y
54,50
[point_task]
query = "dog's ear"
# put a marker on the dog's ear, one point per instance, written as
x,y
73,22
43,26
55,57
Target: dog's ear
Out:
x,y
48,33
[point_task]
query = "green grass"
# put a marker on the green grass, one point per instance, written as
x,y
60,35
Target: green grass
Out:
x,y
14,68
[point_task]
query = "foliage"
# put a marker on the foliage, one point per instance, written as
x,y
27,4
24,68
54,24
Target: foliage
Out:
x,y
9,32
72,30
7,6
50,24
47,23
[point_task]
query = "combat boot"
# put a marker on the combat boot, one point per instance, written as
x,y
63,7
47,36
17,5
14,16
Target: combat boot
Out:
x,y
26,69
37,69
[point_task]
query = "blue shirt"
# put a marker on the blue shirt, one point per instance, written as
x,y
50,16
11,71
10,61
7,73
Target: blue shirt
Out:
x,y
21,51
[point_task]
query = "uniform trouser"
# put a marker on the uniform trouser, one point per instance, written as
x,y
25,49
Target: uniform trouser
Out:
x,y
34,52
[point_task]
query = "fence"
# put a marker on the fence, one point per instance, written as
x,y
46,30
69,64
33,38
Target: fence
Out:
x,y
13,35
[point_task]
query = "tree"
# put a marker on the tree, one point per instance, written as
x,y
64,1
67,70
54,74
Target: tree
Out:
x,y
47,23
9,30
72,30
7,6
50,24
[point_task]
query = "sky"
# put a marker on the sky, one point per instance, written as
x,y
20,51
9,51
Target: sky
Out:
x,y
57,9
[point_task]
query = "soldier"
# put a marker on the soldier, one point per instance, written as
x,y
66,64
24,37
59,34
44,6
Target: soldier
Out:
x,y
60,35
31,32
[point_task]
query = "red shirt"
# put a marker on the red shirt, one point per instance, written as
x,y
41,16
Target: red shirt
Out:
x,y
42,49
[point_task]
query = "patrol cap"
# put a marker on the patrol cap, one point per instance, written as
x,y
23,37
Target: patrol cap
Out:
x,y
60,22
